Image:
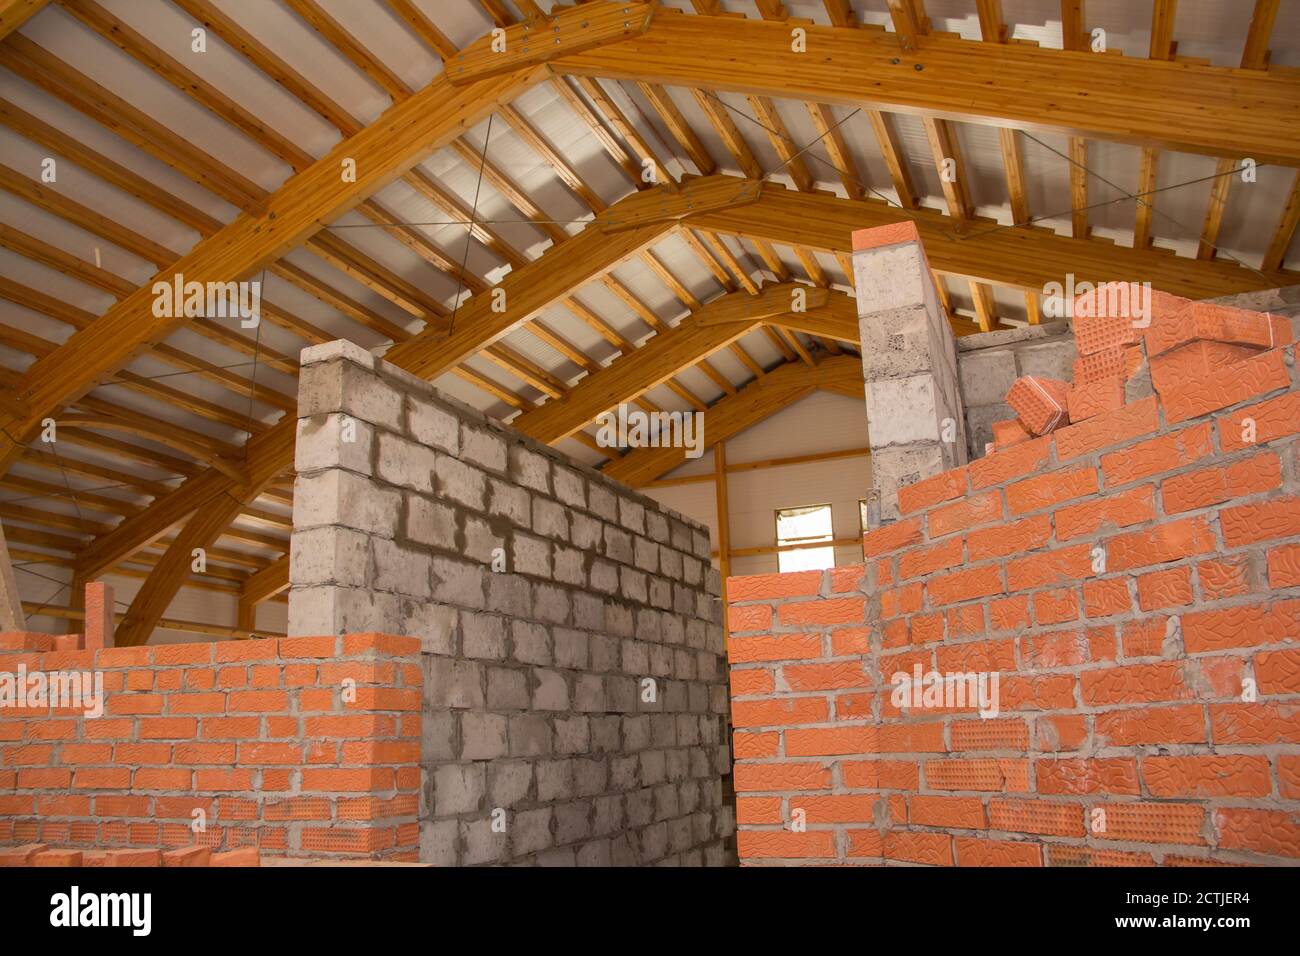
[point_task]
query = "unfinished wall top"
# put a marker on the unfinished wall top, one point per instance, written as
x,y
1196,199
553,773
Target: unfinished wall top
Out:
x,y
1125,588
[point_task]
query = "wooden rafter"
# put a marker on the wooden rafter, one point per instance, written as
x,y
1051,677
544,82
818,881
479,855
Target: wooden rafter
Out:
x,y
1255,57
992,27
14,13
837,147
1224,173
1286,228
1162,47
950,162
892,151
909,20
1073,38
840,12
1148,172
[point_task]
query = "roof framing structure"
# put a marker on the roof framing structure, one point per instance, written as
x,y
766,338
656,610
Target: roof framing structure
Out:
x,y
645,251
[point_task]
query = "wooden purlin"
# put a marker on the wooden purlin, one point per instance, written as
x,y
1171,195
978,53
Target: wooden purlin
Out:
x,y
14,13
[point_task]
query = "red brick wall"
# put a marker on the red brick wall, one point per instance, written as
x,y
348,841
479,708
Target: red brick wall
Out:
x,y
1105,704
306,746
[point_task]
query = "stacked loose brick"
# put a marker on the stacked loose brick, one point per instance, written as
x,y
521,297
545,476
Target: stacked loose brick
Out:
x,y
1131,339
575,703
1040,404
1133,579
301,746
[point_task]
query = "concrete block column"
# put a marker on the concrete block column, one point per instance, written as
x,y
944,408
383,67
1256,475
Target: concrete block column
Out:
x,y
914,407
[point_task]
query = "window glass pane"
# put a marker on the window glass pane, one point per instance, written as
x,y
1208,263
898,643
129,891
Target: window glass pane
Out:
x,y
806,559
804,526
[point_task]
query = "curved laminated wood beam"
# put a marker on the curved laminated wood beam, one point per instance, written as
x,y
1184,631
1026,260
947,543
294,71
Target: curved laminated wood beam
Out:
x,y
714,326
842,378
733,414
160,435
837,318
487,317
771,301
667,204
608,240
538,39
170,572
1021,258
1178,105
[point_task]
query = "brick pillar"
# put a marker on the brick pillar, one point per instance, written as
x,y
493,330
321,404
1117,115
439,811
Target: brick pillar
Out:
x,y
100,616
909,364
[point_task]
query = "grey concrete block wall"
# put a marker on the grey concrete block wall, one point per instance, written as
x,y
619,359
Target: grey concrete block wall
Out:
x,y
575,696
